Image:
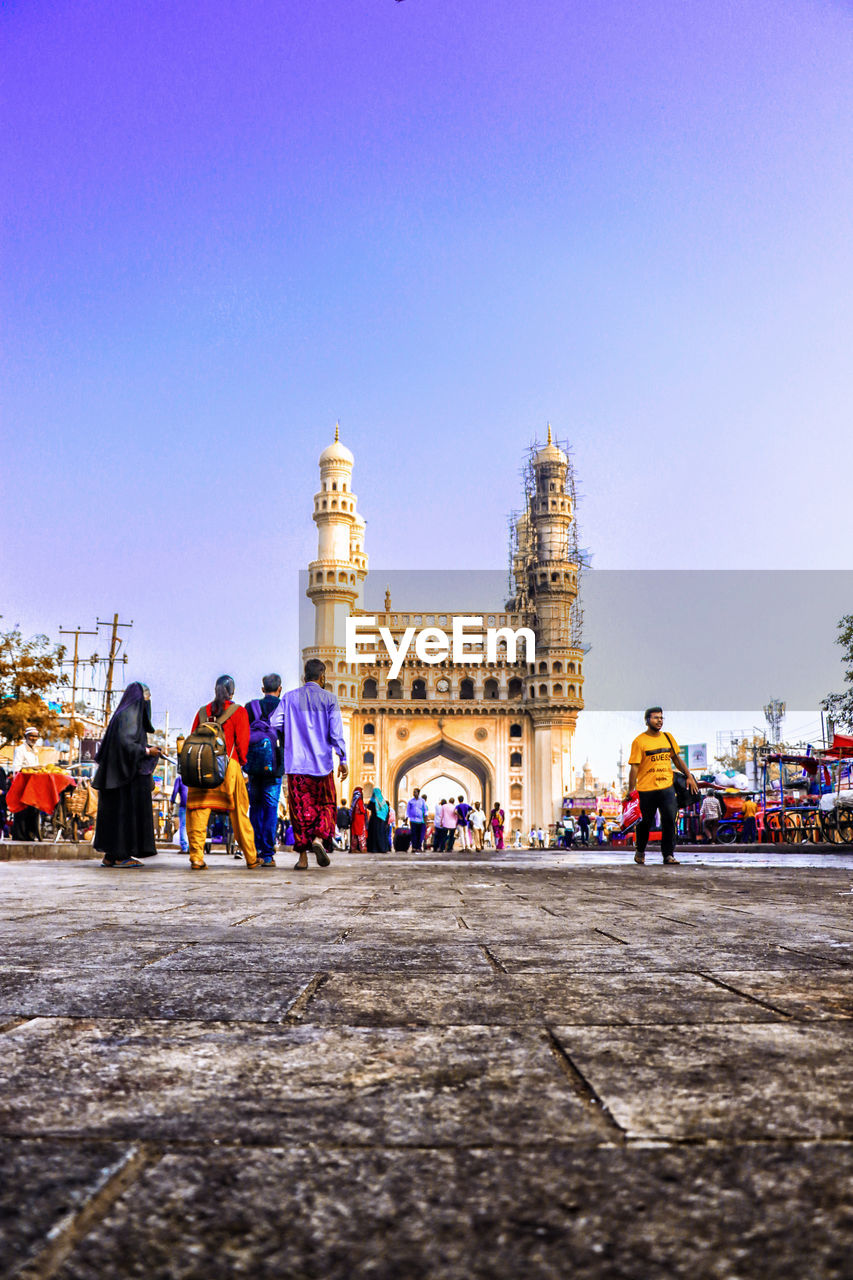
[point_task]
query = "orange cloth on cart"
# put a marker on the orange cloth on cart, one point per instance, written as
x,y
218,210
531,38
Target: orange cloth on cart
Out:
x,y
37,789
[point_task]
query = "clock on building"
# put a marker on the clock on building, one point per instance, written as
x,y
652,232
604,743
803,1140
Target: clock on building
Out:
x,y
442,686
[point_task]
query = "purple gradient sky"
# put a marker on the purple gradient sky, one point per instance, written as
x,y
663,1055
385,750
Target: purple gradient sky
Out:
x,y
226,225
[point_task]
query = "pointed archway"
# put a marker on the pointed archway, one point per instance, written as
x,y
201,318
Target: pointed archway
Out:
x,y
444,749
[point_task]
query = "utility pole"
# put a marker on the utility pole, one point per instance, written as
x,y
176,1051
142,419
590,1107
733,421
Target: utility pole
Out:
x,y
621,774
74,662
115,645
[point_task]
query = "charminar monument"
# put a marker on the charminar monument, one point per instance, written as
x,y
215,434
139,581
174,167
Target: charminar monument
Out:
x,y
501,730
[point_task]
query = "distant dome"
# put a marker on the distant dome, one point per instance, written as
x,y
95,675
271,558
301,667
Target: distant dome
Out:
x,y
550,452
336,452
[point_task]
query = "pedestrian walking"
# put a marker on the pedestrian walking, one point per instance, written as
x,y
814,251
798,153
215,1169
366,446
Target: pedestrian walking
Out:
x,y
313,731
124,827
540,836
358,822
378,833
496,823
569,831
416,812
342,822
463,815
450,822
220,738
710,813
265,764
438,827
653,754
583,826
599,828
477,821
179,797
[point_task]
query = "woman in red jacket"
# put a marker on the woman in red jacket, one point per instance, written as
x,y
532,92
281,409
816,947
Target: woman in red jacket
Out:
x,y
231,796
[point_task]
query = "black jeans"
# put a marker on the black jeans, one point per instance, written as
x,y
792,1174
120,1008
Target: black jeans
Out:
x,y
664,802
417,830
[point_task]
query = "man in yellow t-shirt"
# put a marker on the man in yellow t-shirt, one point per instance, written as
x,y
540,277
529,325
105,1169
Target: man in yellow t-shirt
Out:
x,y
749,834
653,754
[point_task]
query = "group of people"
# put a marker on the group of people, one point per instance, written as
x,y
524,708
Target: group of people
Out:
x,y
296,736
293,735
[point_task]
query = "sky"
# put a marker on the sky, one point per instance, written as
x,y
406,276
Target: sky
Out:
x,y
227,225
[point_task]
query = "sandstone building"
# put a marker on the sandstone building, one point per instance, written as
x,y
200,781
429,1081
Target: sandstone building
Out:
x,y
502,730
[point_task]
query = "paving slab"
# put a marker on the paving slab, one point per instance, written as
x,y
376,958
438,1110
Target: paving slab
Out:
x,y
693,1083
256,1082
587,1213
819,994
149,993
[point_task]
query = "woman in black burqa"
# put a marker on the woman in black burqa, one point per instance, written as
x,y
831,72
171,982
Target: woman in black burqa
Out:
x,y
124,829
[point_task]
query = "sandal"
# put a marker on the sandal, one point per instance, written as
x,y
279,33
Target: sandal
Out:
x,y
671,861
639,858
301,866
198,866
319,851
124,864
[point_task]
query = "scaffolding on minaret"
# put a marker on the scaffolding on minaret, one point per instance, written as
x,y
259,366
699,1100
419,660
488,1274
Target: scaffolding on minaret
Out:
x,y
521,544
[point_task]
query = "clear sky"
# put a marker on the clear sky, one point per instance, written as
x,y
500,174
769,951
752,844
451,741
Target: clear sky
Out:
x,y
445,222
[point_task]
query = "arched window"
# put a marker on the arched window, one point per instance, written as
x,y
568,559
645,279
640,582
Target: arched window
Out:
x,y
369,688
515,730
419,689
516,793
395,689
543,691
342,666
515,687
342,691
572,691
557,666
515,760
368,758
492,690
466,689
558,688
543,668
369,730
334,484
571,668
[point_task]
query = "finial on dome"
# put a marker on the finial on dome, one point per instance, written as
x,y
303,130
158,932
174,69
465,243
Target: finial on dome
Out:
x,y
550,441
337,432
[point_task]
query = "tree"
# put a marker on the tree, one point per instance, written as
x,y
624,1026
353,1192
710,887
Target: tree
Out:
x,y
28,669
839,706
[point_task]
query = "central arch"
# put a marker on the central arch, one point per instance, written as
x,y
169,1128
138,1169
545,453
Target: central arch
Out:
x,y
445,749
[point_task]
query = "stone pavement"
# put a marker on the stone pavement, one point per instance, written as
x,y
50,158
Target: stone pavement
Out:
x,y
523,1065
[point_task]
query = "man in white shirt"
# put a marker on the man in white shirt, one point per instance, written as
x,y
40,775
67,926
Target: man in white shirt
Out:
x,y
710,814
477,821
26,753
25,823
438,827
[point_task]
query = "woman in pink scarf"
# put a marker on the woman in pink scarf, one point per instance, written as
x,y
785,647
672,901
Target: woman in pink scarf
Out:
x,y
358,823
496,822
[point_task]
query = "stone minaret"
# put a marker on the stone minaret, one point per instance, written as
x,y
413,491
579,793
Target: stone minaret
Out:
x,y
336,577
554,684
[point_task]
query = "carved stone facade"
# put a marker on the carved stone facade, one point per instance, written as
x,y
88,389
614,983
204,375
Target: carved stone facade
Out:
x,y
502,730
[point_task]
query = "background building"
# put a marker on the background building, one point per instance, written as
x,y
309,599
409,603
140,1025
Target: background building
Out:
x,y
493,731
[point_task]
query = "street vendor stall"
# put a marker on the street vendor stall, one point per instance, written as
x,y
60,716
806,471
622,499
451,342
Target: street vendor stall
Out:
x,y
40,789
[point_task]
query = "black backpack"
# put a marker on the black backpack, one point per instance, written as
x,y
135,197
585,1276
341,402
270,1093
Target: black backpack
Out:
x,y
204,756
